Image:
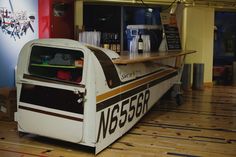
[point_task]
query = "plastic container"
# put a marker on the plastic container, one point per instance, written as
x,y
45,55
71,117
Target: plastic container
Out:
x,y
198,76
154,32
186,77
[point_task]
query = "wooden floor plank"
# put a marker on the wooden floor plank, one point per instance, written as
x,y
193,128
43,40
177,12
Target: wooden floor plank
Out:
x,y
205,125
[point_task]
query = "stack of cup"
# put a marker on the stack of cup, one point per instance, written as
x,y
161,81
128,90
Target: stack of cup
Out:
x,y
90,37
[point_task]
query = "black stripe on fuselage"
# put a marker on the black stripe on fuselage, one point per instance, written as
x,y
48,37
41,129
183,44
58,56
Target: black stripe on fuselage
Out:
x,y
104,104
51,113
108,67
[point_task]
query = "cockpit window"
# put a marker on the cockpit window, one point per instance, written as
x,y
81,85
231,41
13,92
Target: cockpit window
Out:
x,y
57,63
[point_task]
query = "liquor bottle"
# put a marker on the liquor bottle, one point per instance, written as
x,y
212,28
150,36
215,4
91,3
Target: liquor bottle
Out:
x,y
113,42
140,44
102,39
117,43
109,39
106,41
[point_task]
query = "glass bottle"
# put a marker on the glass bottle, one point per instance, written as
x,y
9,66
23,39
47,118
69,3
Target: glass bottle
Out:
x,y
140,44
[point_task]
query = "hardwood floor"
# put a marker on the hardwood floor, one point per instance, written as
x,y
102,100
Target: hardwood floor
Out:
x,y
205,125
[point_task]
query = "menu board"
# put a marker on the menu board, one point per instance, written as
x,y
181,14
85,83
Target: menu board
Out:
x,y
171,31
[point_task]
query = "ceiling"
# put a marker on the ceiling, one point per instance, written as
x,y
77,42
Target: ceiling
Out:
x,y
228,4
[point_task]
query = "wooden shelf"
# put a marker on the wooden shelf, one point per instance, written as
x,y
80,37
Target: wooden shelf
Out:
x,y
127,59
56,66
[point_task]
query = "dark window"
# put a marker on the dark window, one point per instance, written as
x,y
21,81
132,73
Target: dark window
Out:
x,y
103,18
59,99
224,38
111,19
142,16
56,63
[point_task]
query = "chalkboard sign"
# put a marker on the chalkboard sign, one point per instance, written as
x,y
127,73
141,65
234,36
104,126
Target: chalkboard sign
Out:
x,y
171,31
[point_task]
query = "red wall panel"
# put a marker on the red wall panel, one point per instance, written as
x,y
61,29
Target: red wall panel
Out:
x,y
45,15
53,26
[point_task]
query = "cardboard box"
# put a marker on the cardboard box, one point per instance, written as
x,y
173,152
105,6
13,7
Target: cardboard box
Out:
x,y
7,104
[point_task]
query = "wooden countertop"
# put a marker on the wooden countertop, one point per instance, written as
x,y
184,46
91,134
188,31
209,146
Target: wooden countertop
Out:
x,y
145,57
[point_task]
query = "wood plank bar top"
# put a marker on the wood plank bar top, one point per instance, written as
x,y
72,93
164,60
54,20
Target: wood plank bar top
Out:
x,y
145,57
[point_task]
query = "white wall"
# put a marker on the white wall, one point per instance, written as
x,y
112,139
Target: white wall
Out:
x,y
11,44
198,35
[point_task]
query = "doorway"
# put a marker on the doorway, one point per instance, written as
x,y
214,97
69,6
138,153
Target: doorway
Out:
x,y
224,47
63,19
